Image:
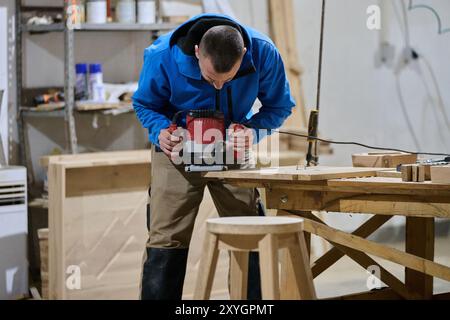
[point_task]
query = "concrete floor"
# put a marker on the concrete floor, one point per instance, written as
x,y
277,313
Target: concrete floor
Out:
x,y
347,277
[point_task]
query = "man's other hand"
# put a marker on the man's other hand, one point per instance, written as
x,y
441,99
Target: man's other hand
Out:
x,y
170,143
241,137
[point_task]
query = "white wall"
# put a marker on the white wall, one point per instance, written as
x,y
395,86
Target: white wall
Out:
x,y
360,101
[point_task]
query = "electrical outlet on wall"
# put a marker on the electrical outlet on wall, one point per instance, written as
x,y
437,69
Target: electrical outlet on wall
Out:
x,y
385,55
407,57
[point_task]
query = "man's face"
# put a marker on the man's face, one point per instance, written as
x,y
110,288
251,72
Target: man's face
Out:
x,y
217,80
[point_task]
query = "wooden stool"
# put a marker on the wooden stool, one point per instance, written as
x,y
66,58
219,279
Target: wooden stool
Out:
x,y
266,235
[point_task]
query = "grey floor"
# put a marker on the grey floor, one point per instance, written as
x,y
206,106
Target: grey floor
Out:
x,y
347,277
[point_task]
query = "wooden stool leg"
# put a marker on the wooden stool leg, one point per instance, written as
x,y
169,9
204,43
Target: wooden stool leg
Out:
x,y
299,262
268,262
420,242
238,275
288,287
207,268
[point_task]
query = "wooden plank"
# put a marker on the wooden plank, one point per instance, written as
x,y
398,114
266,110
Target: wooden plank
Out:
x,y
281,19
43,250
382,160
305,200
386,184
50,106
420,242
420,173
401,207
440,174
368,186
99,158
299,260
405,205
365,261
407,173
382,251
294,173
238,275
92,106
389,174
427,171
288,291
207,268
106,179
56,266
334,254
414,173
268,263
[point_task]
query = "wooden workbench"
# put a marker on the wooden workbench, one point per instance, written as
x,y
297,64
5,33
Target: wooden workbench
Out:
x,y
292,190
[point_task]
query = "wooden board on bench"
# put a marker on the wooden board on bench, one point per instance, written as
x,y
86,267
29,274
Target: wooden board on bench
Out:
x,y
294,173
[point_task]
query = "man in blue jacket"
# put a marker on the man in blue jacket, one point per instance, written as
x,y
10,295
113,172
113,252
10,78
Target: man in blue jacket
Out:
x,y
209,62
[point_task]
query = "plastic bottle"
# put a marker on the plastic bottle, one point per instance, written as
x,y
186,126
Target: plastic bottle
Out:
x,y
96,87
126,11
96,11
82,83
146,11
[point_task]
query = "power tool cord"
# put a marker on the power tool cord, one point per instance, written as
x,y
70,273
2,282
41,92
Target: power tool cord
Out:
x,y
361,144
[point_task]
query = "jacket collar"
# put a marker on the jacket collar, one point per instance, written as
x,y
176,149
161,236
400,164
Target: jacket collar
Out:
x,y
188,64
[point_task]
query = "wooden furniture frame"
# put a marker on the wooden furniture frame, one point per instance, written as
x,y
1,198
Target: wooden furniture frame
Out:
x,y
384,197
97,225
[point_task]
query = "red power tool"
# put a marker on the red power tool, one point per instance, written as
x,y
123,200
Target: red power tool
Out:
x,y
205,148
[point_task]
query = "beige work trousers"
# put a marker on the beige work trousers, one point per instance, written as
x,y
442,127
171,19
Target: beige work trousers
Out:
x,y
175,197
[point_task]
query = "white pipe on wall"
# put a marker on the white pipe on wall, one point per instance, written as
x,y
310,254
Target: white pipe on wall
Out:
x,y
4,79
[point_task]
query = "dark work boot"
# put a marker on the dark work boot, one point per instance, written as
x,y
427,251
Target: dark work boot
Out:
x,y
254,277
163,274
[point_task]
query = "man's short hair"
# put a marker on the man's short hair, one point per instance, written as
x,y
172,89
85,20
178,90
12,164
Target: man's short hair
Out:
x,y
224,45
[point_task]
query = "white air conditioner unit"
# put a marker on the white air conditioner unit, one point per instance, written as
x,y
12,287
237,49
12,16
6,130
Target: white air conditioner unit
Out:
x,y
13,233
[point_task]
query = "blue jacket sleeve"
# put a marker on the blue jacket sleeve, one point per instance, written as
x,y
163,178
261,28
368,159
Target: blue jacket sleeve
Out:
x,y
274,92
152,96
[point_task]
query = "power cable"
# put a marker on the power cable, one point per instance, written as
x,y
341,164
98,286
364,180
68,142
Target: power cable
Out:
x,y
361,144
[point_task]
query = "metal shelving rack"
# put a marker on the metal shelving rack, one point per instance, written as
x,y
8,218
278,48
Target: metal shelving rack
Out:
x,y
69,64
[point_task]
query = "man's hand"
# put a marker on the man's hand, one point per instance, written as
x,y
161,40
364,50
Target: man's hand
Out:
x,y
170,143
241,137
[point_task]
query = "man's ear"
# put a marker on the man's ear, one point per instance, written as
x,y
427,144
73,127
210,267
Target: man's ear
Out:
x,y
197,51
245,50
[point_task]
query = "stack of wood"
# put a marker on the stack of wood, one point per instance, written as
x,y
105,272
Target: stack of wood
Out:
x,y
440,174
426,172
383,159
416,172
43,248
